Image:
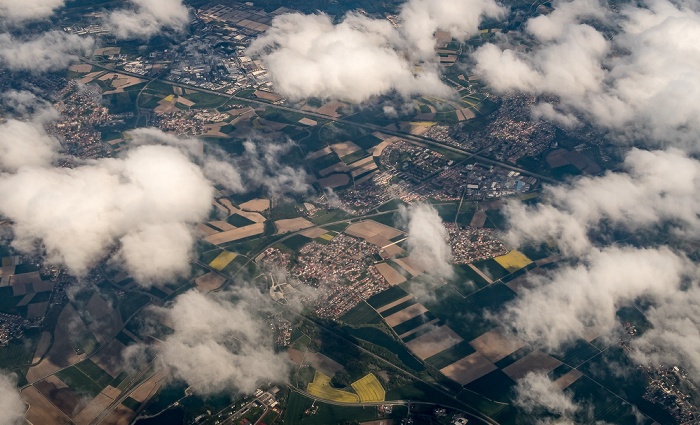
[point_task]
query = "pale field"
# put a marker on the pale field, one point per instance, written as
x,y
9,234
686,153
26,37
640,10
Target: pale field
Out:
x,y
334,180
307,121
368,228
420,328
427,345
313,233
92,409
496,344
149,387
407,313
82,68
258,204
41,411
292,224
410,266
330,108
567,379
344,148
319,153
469,368
222,225
537,361
390,274
209,282
234,235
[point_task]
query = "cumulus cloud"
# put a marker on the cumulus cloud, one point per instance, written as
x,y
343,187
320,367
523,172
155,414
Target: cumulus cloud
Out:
x,y
48,51
565,305
220,343
640,83
25,142
17,11
260,165
148,18
655,188
308,55
535,392
427,239
12,407
140,202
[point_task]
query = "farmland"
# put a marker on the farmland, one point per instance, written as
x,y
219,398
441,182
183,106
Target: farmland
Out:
x,y
513,261
369,389
222,260
320,387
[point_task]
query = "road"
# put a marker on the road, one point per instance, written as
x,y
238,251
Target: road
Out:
x,y
409,137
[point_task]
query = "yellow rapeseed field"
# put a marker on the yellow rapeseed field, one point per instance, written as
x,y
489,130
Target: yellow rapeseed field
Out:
x,y
222,260
369,389
514,260
320,387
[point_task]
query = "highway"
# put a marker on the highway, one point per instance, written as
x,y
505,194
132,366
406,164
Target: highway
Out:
x,y
372,127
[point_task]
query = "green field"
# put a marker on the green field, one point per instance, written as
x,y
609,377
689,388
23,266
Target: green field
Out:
x,y
377,337
383,298
79,382
451,355
327,414
361,314
239,221
493,296
94,372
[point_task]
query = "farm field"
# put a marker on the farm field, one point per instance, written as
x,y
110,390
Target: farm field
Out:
x,y
369,389
513,261
222,260
320,387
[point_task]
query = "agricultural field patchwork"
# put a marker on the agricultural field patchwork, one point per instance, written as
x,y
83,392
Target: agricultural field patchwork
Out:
x,y
222,260
320,387
513,261
369,389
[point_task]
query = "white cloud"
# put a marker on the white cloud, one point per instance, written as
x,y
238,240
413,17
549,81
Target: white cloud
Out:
x,y
535,391
427,239
221,343
49,51
641,83
573,299
12,407
26,143
148,18
307,55
27,10
76,215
